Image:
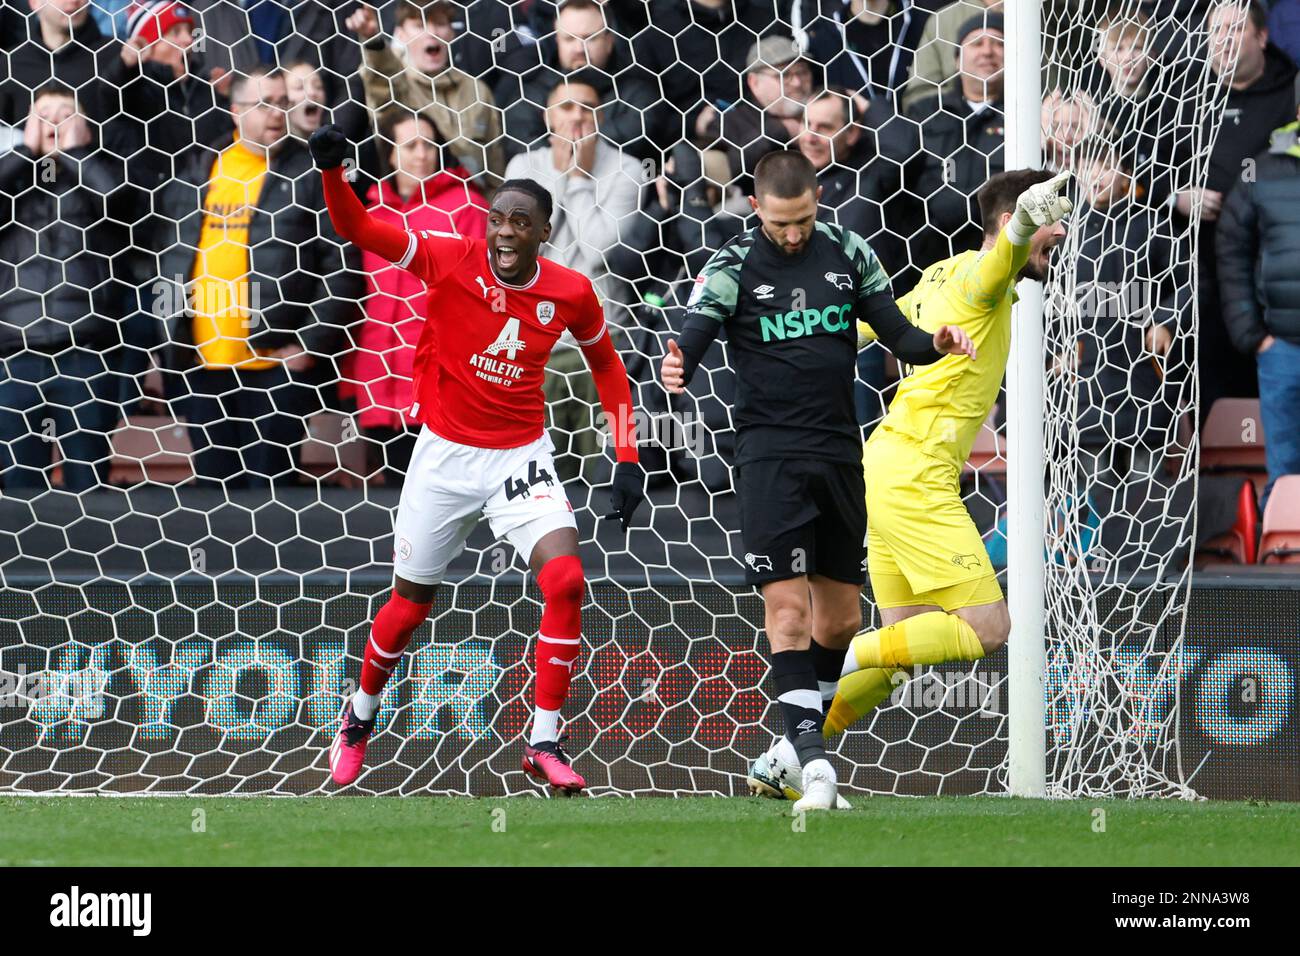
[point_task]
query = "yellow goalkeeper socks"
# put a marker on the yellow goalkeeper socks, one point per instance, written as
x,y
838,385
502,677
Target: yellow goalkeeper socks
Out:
x,y
857,694
929,638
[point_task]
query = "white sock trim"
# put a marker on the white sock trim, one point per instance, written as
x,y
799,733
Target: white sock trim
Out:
x,y
806,698
364,705
383,653
559,640
546,726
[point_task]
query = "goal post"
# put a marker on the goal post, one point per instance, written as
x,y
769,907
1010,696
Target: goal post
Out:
x,y
1026,598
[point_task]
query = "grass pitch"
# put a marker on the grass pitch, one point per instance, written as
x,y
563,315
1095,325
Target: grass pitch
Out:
x,y
696,831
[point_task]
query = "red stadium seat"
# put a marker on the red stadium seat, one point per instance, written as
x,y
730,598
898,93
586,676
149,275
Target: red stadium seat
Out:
x,y
155,447
1232,439
1281,540
326,455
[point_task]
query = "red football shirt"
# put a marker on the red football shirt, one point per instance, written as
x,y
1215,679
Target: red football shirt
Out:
x,y
481,359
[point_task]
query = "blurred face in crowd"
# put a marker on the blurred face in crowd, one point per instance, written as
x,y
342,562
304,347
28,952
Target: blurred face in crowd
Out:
x,y
1104,182
1124,55
516,229
60,15
828,137
571,112
57,114
415,154
428,44
789,223
171,48
1236,45
306,99
583,39
1066,124
260,106
781,91
980,61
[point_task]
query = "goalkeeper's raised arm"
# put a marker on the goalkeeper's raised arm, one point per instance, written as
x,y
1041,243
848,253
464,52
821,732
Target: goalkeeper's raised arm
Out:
x,y
330,147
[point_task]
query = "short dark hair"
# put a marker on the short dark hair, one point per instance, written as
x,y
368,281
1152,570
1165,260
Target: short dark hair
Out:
x,y
242,79
999,194
532,188
584,77
54,88
1255,9
439,12
386,127
579,5
785,174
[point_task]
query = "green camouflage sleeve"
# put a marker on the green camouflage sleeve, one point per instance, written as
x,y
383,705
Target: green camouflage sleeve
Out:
x,y
870,274
716,287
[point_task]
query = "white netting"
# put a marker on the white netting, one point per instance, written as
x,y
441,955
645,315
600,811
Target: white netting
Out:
x,y
191,556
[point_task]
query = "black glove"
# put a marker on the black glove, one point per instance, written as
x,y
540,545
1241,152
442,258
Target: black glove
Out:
x,y
627,492
329,146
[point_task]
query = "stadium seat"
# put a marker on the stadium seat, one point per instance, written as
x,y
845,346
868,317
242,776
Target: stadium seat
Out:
x,y
1232,440
1280,543
326,455
151,447
1236,543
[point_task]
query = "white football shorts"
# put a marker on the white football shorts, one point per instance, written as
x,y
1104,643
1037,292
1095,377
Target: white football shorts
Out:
x,y
449,486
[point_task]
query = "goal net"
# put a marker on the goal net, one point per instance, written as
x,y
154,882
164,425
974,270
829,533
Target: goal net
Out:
x,y
190,556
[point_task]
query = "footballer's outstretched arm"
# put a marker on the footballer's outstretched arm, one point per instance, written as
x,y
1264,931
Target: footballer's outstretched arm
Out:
x,y
329,146
1040,205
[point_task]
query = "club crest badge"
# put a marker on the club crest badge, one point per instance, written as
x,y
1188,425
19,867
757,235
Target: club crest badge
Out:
x,y
545,312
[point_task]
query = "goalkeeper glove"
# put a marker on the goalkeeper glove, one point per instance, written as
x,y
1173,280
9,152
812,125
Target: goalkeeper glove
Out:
x,y
328,146
1040,205
627,493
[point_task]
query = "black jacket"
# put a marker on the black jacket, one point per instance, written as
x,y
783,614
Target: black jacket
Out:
x,y
307,279
61,251
863,193
1259,249
628,117
1129,275
698,53
961,149
1145,127
81,65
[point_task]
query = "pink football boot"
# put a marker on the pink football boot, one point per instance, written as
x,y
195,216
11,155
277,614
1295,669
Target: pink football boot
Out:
x,y
549,763
348,752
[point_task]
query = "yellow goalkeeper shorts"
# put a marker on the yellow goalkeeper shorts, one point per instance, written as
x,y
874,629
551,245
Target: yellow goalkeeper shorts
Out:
x,y
922,546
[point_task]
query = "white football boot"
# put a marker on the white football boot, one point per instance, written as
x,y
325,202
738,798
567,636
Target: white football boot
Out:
x,y
777,774
819,791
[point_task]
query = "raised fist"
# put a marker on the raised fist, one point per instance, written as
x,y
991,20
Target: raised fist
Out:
x,y
328,146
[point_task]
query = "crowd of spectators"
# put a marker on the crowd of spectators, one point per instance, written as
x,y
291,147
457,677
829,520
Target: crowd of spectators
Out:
x,y
163,240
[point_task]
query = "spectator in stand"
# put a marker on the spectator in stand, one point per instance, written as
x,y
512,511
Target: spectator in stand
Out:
x,y
1261,97
1132,90
867,46
962,133
417,74
934,69
778,83
1128,363
582,42
306,99
626,17
696,50
859,191
1284,27
418,193
681,226
60,304
1068,121
1258,248
168,112
273,291
595,189
63,44
239,35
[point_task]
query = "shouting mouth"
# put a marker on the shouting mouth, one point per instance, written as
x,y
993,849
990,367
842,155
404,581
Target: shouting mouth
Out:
x,y
507,257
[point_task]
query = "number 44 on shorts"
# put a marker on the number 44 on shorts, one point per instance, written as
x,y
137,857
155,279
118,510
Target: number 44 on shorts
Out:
x,y
517,487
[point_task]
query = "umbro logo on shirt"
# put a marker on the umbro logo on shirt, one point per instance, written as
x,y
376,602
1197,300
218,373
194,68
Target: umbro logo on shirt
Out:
x,y
764,292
